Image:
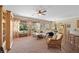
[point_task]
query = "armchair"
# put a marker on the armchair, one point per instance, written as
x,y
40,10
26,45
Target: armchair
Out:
x,y
55,42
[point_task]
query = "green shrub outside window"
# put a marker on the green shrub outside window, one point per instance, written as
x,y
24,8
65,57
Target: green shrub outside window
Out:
x,y
23,27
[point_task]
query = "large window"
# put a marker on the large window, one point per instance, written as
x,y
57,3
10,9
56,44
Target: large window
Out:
x,y
23,29
36,27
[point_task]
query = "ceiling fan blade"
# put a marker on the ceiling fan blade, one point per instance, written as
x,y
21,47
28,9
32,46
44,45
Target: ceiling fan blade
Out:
x,y
45,11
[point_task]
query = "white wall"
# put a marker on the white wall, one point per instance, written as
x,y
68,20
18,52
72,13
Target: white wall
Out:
x,y
71,21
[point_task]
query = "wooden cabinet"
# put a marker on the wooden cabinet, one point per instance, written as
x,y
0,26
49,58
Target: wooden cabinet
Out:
x,y
9,30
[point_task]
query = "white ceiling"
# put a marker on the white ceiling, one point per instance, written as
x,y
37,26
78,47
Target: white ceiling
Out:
x,y
53,11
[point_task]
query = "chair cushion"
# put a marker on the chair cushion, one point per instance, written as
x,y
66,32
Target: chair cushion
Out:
x,y
59,36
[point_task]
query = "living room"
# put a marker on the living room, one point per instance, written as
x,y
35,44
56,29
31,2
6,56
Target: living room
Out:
x,y
28,26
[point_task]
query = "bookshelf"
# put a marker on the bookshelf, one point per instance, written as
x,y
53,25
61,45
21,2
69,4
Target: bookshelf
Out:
x,y
5,28
2,27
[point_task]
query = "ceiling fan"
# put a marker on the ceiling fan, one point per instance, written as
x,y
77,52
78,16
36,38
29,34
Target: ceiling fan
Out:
x,y
40,11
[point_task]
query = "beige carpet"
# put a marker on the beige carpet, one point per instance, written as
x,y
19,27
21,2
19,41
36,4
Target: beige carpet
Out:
x,y
31,45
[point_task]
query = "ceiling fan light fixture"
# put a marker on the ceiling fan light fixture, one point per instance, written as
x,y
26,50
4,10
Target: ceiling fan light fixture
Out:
x,y
39,14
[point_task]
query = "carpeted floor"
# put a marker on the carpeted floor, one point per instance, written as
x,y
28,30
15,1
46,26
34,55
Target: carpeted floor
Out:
x,y
31,45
